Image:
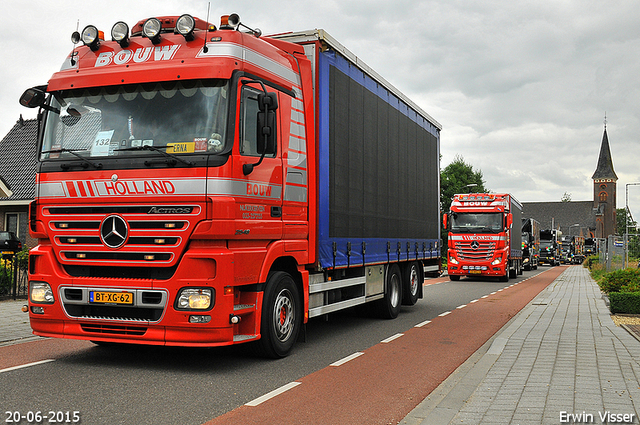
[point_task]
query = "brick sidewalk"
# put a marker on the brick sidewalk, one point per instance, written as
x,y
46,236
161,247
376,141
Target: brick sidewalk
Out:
x,y
561,355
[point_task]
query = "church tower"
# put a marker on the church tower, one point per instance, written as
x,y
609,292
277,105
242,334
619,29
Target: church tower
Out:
x,y
604,191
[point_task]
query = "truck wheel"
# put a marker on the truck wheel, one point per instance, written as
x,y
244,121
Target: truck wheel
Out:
x,y
389,306
411,284
505,278
281,316
513,273
454,277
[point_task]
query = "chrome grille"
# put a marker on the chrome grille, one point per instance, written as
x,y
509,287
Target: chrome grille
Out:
x,y
156,235
483,250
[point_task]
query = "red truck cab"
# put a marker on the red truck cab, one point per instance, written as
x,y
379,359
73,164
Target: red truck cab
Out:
x,y
482,239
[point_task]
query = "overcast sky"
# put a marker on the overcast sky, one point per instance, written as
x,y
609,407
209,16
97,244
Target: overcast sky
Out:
x,y
521,88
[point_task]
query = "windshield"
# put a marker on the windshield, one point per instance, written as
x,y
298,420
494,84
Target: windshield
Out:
x,y
177,117
476,222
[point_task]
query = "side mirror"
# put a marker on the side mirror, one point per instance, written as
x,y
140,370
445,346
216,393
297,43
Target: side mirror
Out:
x,y
33,98
266,136
509,220
267,104
267,101
445,219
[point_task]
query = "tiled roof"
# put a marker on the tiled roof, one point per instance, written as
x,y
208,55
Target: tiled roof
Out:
x,y
18,160
564,215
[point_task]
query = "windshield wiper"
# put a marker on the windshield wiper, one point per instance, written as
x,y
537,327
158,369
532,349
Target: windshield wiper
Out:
x,y
73,152
172,158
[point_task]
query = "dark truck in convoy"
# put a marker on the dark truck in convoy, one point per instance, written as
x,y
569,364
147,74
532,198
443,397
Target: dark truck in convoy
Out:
x,y
549,247
530,243
567,249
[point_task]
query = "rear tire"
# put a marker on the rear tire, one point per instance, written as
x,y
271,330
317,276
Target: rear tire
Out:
x,y
281,316
411,284
389,306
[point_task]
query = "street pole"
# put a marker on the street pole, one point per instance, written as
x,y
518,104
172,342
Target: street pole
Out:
x,y
626,222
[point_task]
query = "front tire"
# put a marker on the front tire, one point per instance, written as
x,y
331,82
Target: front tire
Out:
x,y
505,277
281,316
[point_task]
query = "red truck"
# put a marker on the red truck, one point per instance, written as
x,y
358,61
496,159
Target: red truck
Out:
x,y
483,240
206,186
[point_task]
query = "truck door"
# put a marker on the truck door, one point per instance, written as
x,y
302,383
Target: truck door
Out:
x,y
260,204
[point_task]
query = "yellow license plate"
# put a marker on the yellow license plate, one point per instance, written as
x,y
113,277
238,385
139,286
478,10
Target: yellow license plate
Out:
x,y
181,147
111,297
475,271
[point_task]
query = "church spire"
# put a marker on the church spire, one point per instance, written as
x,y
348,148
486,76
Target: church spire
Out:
x,y
604,169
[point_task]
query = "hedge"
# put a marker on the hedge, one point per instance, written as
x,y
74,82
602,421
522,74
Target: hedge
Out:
x,y
624,302
624,280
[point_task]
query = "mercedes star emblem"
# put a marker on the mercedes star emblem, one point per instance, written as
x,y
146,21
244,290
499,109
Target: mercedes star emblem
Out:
x,y
475,245
113,231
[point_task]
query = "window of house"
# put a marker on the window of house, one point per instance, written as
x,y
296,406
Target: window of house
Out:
x,y
11,223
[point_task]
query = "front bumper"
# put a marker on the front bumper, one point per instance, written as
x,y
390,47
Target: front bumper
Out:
x,y
152,318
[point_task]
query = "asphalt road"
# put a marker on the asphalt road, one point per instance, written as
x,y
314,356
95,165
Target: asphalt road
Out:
x,y
156,385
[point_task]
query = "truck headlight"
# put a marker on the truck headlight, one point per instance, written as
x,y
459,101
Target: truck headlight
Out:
x,y
40,292
453,260
195,299
496,261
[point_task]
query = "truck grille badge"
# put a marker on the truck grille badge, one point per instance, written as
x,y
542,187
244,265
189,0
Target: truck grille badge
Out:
x,y
113,231
475,245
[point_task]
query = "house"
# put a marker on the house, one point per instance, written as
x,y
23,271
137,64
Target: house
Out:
x,y
18,175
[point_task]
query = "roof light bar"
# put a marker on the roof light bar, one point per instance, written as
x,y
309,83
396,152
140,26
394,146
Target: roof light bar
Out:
x,y
90,36
185,26
120,33
151,29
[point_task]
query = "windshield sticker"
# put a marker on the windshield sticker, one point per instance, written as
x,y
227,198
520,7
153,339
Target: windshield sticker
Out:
x,y
200,144
101,144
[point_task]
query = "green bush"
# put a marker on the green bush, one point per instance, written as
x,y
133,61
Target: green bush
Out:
x,y
6,277
619,280
624,302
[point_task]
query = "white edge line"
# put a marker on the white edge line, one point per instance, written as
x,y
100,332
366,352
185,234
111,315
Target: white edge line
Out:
x,y
444,314
474,301
346,359
273,393
9,369
419,325
461,306
391,338
484,296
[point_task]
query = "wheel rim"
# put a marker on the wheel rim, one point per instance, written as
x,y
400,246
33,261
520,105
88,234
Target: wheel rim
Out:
x,y
283,315
414,280
394,288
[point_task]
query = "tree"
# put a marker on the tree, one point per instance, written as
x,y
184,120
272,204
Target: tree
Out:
x,y
621,223
621,229
457,177
566,197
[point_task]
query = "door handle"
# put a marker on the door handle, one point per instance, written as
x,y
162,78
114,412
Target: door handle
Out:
x,y
276,212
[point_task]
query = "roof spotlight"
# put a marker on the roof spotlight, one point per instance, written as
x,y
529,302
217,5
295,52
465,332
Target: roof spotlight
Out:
x,y
151,29
185,26
120,33
90,36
